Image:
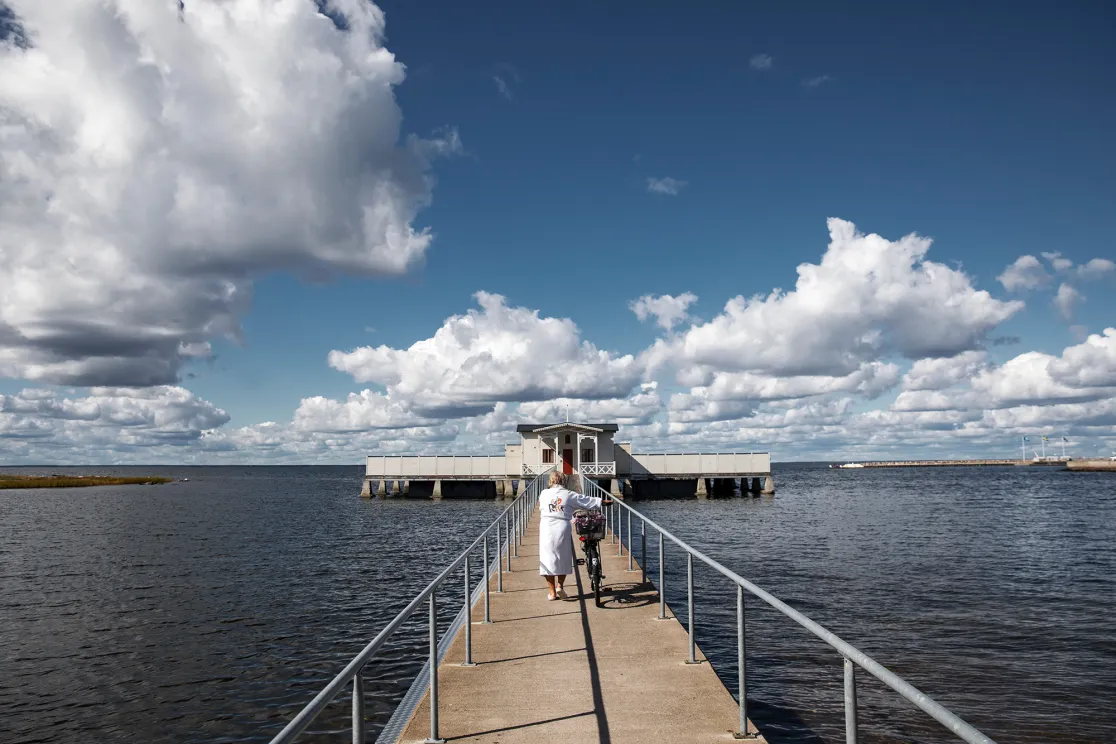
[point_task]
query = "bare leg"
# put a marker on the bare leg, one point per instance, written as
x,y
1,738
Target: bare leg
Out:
x,y
550,585
561,580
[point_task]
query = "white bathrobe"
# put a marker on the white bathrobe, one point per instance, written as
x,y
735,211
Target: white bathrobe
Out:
x,y
557,506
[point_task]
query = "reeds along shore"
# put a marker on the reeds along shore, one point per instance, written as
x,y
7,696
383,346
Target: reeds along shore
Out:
x,y
75,481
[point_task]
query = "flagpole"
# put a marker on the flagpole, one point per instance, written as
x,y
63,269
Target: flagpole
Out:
x,y
1023,447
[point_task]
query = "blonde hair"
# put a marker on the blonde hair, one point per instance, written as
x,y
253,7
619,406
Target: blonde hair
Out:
x,y
557,479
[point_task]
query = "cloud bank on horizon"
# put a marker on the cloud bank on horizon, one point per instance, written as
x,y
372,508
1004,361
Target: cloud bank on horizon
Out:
x,y
149,174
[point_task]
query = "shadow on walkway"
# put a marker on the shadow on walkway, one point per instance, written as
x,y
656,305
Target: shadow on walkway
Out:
x,y
532,656
626,596
604,737
527,725
534,617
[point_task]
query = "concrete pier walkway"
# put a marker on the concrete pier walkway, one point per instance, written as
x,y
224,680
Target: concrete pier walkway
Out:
x,y
574,672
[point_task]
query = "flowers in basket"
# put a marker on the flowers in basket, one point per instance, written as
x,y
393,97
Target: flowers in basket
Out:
x,y
589,522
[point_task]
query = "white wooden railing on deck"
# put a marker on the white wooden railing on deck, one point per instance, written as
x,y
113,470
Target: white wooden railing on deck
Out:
x,y
597,468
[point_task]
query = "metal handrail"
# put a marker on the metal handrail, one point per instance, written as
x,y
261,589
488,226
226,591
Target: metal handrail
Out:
x,y
514,522
853,656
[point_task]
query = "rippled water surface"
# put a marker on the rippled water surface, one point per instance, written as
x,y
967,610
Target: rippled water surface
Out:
x,y
211,610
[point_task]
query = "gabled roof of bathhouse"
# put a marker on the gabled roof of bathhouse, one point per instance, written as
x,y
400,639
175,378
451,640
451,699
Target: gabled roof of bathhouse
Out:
x,y
548,428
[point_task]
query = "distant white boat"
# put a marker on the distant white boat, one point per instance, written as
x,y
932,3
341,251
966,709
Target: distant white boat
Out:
x,y
851,465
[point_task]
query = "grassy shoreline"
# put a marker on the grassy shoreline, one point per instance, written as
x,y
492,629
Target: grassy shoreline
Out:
x,y
75,481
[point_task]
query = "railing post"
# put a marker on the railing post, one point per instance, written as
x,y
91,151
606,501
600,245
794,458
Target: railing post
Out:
x,y
690,608
608,518
630,558
358,707
468,617
643,548
499,559
662,580
615,508
620,537
508,535
741,658
487,592
515,533
433,739
850,702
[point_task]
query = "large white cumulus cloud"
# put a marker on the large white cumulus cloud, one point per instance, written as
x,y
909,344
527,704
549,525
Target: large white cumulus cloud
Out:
x,y
869,297
1083,372
942,372
499,353
153,160
732,395
636,409
359,412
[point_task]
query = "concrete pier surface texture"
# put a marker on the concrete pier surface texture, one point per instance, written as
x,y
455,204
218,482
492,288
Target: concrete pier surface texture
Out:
x,y
568,671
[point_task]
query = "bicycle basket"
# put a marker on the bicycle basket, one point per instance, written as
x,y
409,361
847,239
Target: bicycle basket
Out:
x,y
590,523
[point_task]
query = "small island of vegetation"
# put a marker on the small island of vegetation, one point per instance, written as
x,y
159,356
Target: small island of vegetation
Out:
x,y
11,480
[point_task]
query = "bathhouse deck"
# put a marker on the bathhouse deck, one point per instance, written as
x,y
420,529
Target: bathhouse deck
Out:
x,y
587,449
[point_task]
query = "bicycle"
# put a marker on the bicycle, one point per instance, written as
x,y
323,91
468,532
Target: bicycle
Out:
x,y
590,527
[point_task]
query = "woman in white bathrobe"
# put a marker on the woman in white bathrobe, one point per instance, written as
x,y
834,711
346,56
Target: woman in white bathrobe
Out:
x,y
557,505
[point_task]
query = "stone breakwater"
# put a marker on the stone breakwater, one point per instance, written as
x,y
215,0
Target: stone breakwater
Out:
x,y
1092,466
74,481
938,463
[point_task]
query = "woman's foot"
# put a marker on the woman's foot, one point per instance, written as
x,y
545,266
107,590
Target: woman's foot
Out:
x,y
561,593
551,597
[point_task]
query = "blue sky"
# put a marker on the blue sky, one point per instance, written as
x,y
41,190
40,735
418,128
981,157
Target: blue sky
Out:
x,y
950,124
987,131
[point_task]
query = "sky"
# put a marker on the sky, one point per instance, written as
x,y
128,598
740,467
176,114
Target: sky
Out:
x,y
302,231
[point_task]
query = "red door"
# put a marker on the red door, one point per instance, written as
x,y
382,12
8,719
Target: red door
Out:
x,y
567,461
